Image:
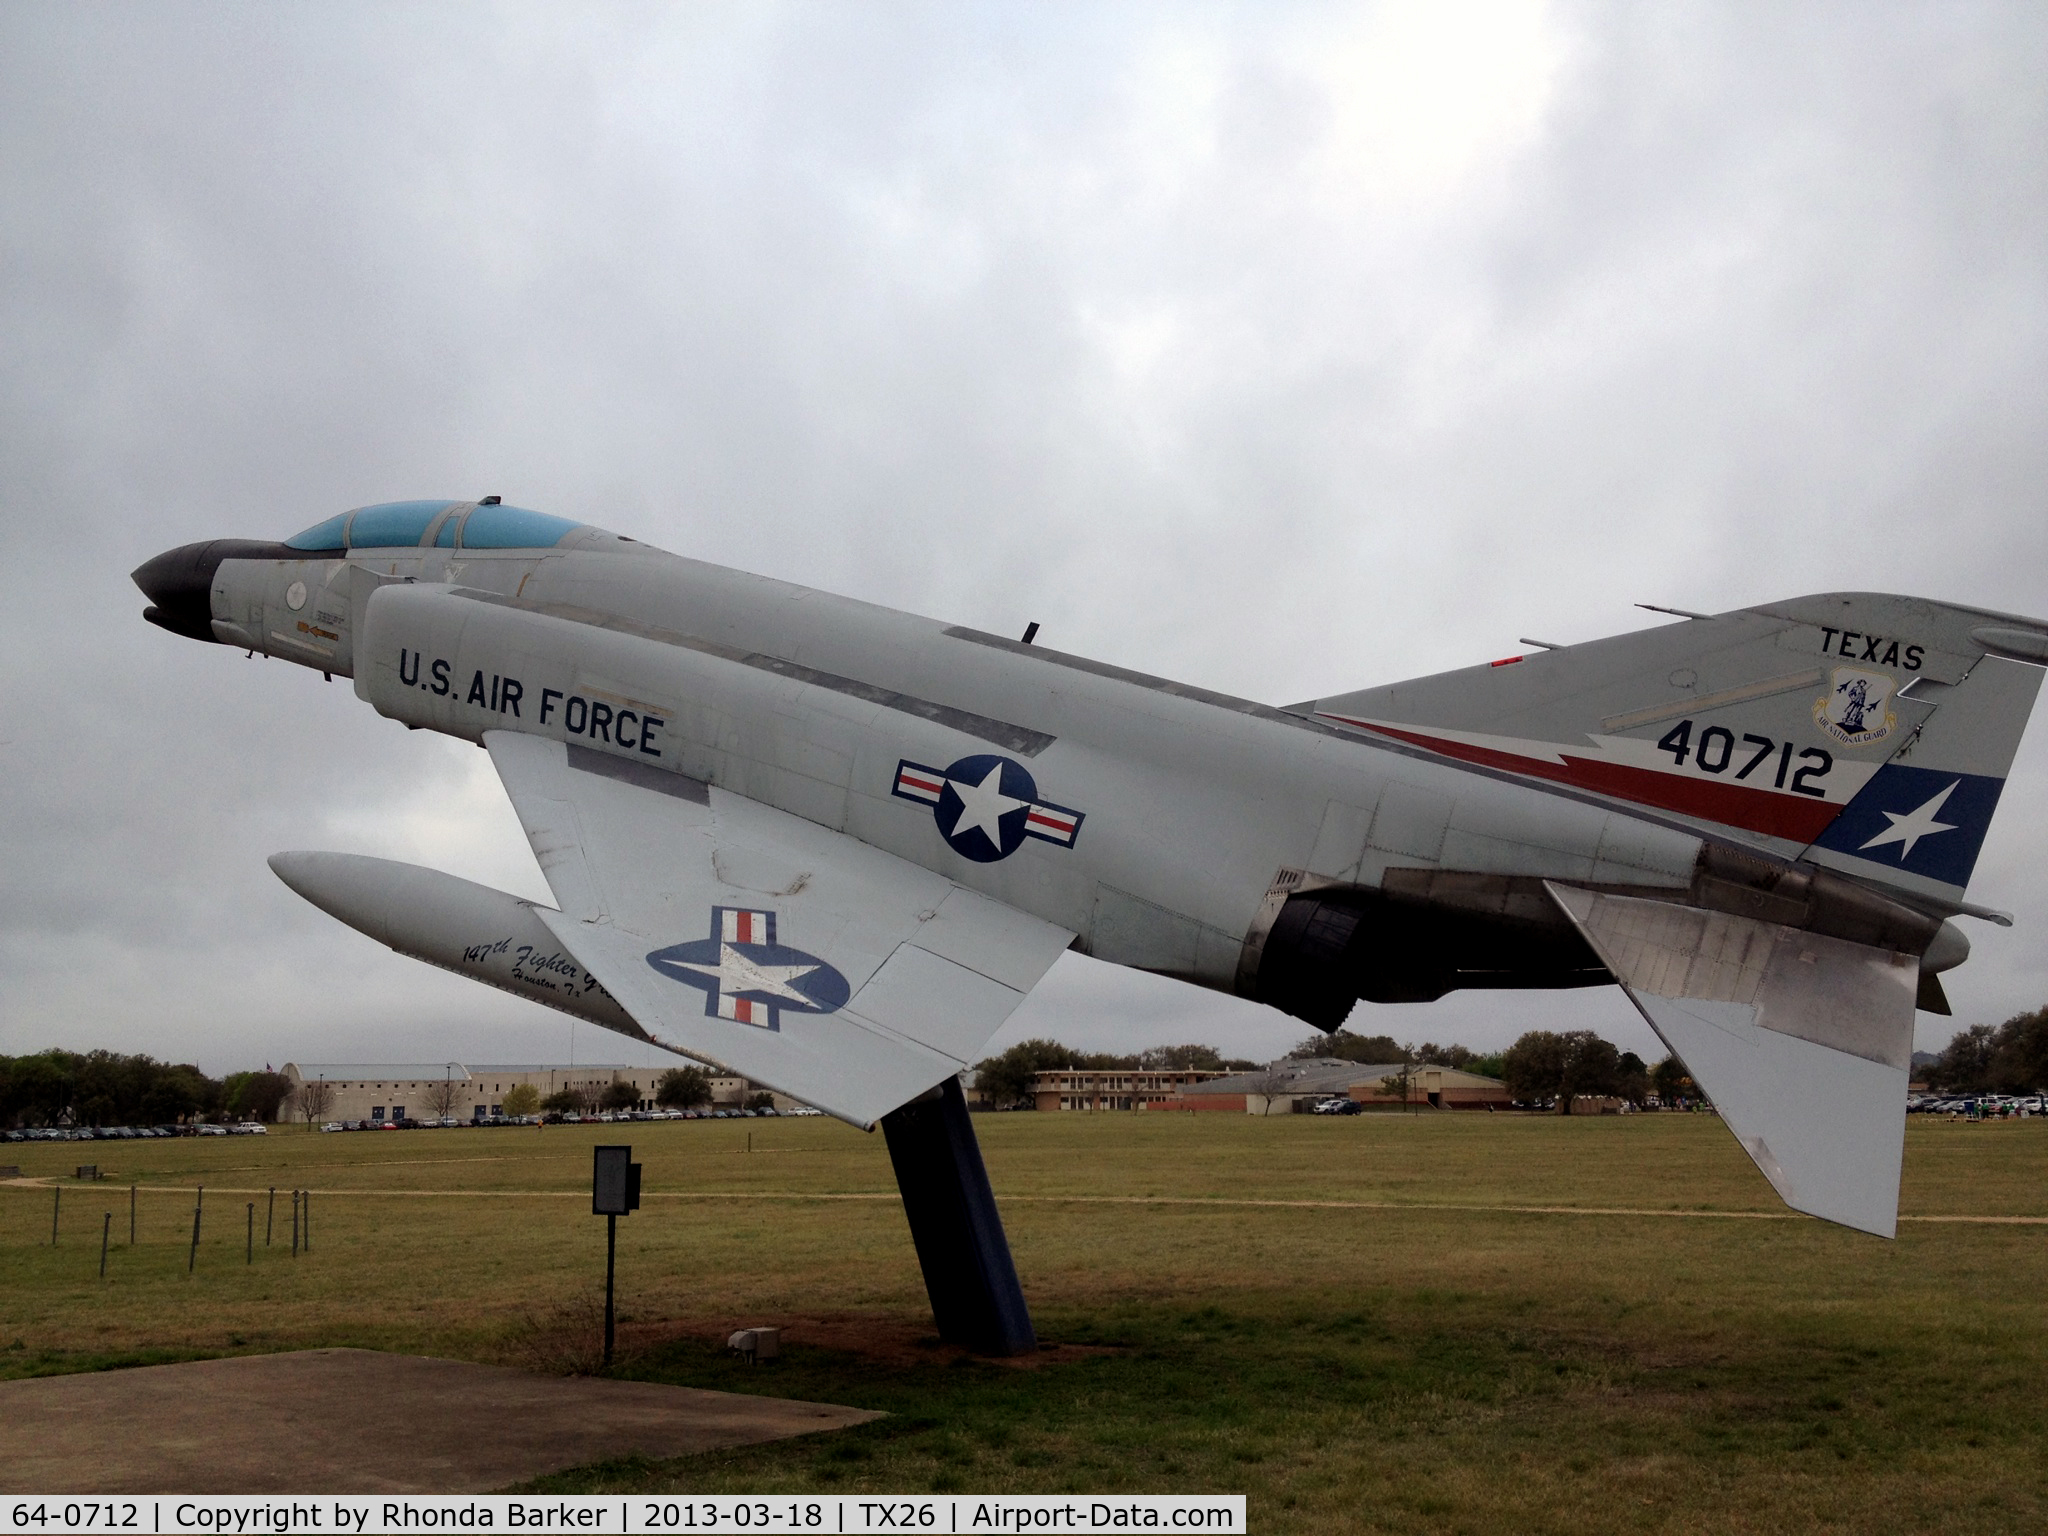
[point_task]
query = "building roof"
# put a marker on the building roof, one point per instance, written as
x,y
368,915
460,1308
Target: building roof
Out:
x,y
546,1066
377,1071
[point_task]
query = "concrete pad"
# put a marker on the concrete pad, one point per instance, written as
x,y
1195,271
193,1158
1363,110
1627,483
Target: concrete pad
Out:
x,y
358,1421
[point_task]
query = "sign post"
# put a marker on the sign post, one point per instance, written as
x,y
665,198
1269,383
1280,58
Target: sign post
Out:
x,y
614,1192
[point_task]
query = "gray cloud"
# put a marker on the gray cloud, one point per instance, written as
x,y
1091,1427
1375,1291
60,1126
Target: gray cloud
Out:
x,y
1278,349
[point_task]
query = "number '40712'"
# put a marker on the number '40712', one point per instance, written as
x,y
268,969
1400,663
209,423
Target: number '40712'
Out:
x,y
1719,750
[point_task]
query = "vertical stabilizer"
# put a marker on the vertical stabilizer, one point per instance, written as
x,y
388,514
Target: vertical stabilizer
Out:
x,y
1919,823
1868,732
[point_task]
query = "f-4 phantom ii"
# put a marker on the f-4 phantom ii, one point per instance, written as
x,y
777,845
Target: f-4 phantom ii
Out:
x,y
830,847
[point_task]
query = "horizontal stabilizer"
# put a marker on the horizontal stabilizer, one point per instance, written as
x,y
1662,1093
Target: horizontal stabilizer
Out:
x,y
1803,1042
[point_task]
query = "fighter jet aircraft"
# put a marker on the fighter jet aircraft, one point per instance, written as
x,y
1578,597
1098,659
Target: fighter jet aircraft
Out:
x,y
830,847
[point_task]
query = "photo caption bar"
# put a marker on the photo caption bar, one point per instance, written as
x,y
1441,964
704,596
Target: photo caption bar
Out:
x,y
614,1515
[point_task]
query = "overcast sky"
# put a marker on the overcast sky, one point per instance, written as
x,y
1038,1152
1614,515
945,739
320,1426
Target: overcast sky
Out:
x,y
1282,349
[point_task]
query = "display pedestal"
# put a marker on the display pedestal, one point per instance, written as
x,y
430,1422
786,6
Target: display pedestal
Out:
x,y
967,1270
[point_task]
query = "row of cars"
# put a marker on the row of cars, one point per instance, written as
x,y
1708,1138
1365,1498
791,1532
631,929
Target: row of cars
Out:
x,y
1978,1106
129,1132
610,1117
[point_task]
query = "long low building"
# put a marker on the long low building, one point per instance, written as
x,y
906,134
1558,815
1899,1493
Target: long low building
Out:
x,y
416,1090
1283,1087
1073,1088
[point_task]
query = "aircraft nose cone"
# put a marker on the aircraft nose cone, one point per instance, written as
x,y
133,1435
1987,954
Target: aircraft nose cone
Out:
x,y
179,586
179,582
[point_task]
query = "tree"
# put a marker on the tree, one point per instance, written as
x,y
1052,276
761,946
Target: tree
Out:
x,y
1007,1079
177,1092
2021,1061
1429,1053
1632,1078
1575,1064
313,1100
618,1096
1400,1083
563,1101
1270,1082
1672,1083
39,1087
1342,1045
255,1095
1965,1062
760,1101
2013,1058
445,1096
682,1088
520,1099
1181,1058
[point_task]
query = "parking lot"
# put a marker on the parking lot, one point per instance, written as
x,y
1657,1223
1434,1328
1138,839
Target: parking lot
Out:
x,y
1978,1106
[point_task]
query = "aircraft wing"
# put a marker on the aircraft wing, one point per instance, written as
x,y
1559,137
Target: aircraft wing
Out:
x,y
778,949
1803,1042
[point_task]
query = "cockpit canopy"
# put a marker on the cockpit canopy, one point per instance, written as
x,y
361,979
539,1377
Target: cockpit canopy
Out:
x,y
435,525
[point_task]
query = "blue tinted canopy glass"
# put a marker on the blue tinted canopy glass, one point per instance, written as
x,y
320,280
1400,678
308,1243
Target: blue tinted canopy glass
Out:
x,y
392,524
402,524
325,535
513,528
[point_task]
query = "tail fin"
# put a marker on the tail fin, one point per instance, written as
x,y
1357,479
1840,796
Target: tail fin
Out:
x,y
1869,732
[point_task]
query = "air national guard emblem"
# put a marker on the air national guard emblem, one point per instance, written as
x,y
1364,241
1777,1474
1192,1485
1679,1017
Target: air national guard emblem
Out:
x,y
1856,710
748,977
986,806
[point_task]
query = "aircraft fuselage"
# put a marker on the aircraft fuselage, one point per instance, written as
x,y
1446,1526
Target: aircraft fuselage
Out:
x,y
1165,825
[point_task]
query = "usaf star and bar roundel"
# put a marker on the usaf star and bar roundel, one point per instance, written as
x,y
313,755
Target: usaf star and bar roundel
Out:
x,y
747,976
986,805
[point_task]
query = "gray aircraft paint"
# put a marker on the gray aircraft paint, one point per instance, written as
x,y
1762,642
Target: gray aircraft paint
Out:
x,y
685,743
1195,807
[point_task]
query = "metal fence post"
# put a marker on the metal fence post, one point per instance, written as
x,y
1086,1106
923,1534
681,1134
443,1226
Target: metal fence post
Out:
x,y
194,1258
106,1231
270,1216
252,1233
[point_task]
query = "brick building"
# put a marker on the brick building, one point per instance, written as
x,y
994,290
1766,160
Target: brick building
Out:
x,y
1285,1087
1113,1088
400,1090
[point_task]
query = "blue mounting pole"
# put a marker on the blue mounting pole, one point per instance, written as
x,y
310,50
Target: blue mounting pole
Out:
x,y
953,1221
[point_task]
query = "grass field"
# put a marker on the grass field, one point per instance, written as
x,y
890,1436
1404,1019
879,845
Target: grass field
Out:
x,y
1383,1322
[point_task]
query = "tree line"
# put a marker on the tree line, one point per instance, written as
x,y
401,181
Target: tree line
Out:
x,y
2010,1058
58,1087
677,1088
